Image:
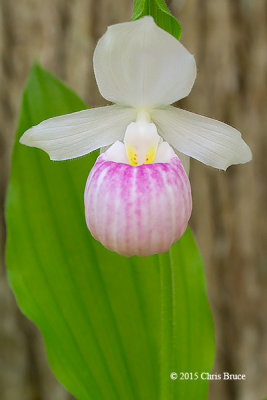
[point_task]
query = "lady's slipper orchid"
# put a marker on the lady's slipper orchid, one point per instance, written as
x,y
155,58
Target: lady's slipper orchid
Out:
x,y
137,196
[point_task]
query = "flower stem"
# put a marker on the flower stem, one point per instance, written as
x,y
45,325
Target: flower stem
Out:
x,y
167,326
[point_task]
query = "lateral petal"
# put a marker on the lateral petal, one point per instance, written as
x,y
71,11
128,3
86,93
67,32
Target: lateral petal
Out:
x,y
210,141
74,135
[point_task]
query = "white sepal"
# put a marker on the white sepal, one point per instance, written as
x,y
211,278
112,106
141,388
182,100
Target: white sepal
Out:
x,y
139,64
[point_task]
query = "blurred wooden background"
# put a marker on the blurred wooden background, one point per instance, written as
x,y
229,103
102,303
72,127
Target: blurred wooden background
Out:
x,y
229,40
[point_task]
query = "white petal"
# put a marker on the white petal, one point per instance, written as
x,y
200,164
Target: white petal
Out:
x,y
209,141
77,134
139,64
104,149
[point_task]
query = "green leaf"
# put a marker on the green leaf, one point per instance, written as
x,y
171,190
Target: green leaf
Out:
x,y
114,327
161,14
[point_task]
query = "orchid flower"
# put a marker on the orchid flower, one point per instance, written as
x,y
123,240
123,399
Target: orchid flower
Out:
x,y
138,196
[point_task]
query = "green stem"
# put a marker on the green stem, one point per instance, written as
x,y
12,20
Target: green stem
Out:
x,y
167,327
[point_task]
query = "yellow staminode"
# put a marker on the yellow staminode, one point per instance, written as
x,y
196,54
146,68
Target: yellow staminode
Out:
x,y
150,155
141,140
133,157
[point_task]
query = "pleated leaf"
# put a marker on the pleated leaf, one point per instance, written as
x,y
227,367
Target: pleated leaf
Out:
x,y
114,328
161,14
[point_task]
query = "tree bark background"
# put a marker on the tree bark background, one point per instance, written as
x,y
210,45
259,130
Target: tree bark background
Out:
x,y
229,41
